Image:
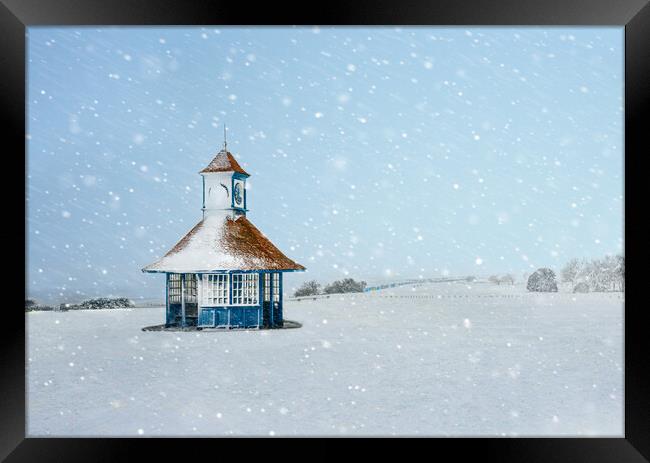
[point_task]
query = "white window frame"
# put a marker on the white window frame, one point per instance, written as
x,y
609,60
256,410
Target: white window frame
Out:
x,y
174,288
276,286
215,289
249,292
191,288
267,287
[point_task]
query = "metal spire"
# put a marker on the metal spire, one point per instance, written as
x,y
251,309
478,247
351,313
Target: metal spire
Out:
x,y
225,144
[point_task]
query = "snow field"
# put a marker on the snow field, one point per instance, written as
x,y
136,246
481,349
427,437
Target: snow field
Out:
x,y
471,363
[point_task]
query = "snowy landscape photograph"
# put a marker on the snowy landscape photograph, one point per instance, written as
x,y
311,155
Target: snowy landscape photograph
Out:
x,y
324,231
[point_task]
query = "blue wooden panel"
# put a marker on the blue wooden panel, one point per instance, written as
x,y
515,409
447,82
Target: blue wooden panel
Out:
x,y
207,317
214,316
221,317
251,316
237,317
174,311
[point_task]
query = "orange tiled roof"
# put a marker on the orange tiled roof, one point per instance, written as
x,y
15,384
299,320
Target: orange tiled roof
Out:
x,y
223,243
224,161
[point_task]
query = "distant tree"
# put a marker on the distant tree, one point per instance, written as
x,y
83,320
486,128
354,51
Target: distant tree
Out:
x,y
570,271
494,279
620,271
308,288
588,274
470,279
30,304
507,278
597,275
543,280
581,287
611,269
347,285
606,274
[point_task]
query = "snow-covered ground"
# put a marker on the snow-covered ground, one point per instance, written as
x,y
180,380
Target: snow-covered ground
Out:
x,y
438,359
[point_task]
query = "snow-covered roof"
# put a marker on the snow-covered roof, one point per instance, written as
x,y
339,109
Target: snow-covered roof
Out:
x,y
220,242
224,161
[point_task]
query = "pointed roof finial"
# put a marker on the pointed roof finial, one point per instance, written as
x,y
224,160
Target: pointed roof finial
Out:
x,y
225,144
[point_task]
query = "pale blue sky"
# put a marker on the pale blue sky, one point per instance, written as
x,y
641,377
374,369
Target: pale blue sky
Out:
x,y
373,152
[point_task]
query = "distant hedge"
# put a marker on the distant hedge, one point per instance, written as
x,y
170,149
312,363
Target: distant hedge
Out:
x,y
32,306
347,285
100,303
90,304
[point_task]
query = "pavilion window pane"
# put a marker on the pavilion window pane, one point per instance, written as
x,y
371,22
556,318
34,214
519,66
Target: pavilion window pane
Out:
x,y
174,288
190,287
276,286
245,288
215,289
267,287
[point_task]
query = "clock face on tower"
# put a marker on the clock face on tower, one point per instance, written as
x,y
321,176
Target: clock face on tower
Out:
x,y
238,194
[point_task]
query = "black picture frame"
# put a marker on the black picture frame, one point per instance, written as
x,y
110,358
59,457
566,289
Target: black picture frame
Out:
x,y
634,15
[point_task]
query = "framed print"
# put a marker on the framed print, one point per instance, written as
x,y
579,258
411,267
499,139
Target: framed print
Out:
x,y
388,220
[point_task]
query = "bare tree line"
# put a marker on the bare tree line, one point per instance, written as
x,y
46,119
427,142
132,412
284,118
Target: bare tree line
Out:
x,y
605,274
347,285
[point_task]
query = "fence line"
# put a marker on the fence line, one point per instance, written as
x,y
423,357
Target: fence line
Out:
x,y
616,295
414,282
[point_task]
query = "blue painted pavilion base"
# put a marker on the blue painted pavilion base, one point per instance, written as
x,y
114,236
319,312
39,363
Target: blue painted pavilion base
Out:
x,y
230,317
226,317
286,324
184,311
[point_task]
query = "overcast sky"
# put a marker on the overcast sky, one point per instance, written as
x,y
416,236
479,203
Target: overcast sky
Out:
x,y
375,153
